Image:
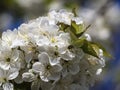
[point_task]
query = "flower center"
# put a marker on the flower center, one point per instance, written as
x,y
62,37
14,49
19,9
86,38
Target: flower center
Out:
x,y
56,53
8,59
48,67
53,40
70,47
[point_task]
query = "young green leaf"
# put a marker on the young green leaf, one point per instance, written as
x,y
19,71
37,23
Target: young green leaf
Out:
x,y
73,36
77,29
78,35
105,53
74,12
63,26
89,49
79,42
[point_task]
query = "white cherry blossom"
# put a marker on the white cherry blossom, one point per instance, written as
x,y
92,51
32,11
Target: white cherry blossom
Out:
x,y
5,76
45,69
9,58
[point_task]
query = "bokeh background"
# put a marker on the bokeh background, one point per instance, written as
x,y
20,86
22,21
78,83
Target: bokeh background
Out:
x,y
102,15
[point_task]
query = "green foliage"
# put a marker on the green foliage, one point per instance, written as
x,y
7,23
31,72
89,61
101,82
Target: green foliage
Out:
x,y
63,26
74,12
77,28
88,48
105,53
76,31
79,42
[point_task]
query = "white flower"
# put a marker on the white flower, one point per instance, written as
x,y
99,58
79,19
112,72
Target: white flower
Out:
x,y
67,55
62,16
45,69
48,26
11,39
29,32
9,58
5,76
29,51
42,53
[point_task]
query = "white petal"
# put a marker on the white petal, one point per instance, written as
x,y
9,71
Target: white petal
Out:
x,y
8,86
28,57
65,36
78,20
99,71
52,14
44,78
28,77
56,68
37,67
88,37
102,62
18,80
2,73
15,65
15,55
54,61
43,58
67,55
54,76
43,41
62,49
4,65
17,43
12,74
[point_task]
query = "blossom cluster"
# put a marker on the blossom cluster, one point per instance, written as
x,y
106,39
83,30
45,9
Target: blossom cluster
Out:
x,y
50,53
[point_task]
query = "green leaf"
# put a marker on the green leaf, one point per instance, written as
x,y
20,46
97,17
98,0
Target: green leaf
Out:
x,y
96,48
63,26
89,49
79,42
105,53
77,29
74,12
73,36
83,31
